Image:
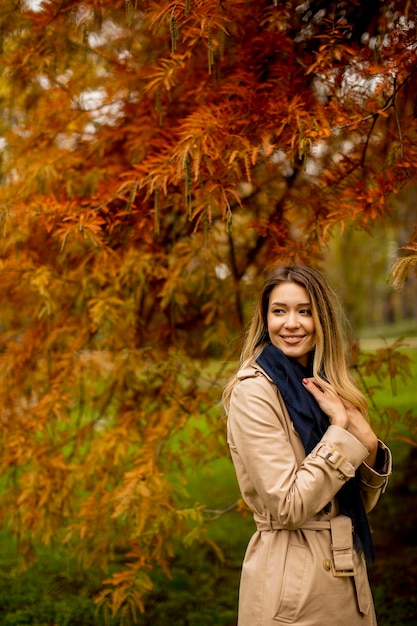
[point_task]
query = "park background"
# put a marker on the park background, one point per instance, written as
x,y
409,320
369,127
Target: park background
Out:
x,y
156,157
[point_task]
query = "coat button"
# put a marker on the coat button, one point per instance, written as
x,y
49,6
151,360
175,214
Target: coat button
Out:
x,y
327,565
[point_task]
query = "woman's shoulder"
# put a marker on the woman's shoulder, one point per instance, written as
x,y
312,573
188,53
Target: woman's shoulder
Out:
x,y
253,380
256,396
252,372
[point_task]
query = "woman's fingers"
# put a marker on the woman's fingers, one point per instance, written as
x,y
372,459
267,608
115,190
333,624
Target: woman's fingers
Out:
x,y
307,381
329,402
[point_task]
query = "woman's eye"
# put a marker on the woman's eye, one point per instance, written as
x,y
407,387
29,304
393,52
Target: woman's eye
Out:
x,y
306,311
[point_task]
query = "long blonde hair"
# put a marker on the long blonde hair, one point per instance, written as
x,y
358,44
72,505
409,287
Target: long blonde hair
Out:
x,y
330,363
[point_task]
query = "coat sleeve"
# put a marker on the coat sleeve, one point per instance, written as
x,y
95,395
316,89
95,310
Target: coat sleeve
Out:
x,y
373,481
265,461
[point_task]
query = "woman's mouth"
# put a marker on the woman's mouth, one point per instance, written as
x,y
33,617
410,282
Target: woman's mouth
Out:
x,y
292,339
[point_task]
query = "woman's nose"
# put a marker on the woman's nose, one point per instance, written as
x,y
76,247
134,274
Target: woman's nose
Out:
x,y
292,321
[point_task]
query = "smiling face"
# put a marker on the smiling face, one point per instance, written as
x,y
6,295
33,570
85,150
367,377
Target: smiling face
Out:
x,y
290,322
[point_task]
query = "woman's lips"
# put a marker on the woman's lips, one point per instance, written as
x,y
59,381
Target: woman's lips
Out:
x,y
292,339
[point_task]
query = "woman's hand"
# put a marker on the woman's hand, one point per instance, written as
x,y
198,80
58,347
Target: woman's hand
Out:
x,y
329,402
343,413
362,430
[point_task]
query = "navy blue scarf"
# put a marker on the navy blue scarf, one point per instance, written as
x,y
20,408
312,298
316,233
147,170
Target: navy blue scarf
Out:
x,y
311,423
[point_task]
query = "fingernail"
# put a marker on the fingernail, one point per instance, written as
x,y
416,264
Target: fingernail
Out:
x,y
305,381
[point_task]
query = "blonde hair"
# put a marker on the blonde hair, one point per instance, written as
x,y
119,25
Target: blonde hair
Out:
x,y
330,363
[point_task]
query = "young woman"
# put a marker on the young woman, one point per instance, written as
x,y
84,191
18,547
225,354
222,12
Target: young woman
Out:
x,y
308,464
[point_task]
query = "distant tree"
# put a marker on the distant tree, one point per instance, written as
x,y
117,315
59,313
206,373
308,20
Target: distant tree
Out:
x,y
156,156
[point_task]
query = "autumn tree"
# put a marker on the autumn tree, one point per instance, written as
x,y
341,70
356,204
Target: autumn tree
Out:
x,y
156,156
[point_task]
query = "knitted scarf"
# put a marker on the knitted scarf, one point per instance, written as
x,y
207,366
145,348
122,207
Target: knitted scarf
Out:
x,y
311,423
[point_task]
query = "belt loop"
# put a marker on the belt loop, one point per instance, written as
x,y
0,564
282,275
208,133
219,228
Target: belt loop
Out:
x,y
343,563
342,546
269,520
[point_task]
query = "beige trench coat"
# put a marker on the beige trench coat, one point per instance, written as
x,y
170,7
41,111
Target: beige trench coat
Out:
x,y
298,566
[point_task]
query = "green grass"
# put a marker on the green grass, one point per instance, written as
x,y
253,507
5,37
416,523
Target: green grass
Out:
x,y
54,591
404,328
399,394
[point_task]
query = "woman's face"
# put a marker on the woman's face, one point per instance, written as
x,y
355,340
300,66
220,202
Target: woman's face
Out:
x,y
290,322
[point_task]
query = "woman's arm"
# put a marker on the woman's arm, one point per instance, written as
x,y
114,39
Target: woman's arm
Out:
x,y
345,415
377,466
374,480
266,463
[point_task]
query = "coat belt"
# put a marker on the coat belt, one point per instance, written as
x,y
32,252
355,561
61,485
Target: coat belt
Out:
x,y
342,563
